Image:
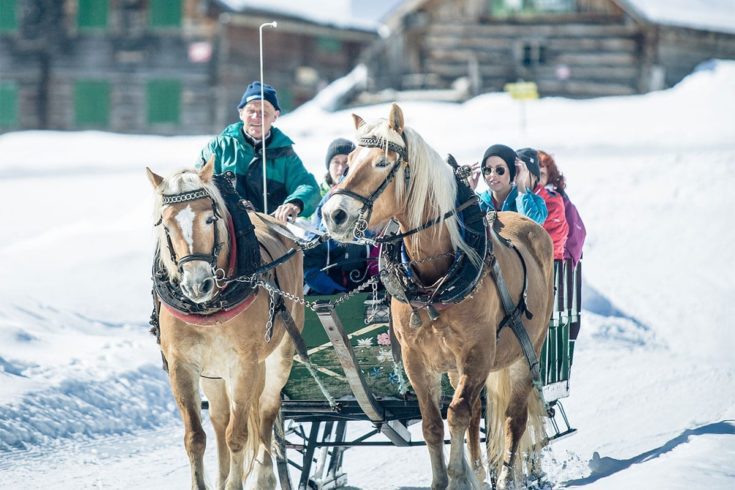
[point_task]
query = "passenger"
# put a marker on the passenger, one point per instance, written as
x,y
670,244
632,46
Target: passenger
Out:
x,y
292,190
553,179
333,267
556,221
336,162
509,185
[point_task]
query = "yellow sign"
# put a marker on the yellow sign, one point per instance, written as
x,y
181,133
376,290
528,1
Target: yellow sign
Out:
x,y
522,90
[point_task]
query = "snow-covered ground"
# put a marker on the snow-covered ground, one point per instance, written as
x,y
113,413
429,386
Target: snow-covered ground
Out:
x,y
83,403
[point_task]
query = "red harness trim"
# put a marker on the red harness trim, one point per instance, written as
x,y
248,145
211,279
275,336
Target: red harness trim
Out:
x,y
222,316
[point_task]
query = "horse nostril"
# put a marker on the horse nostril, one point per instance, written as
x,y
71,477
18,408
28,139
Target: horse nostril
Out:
x,y
207,285
339,217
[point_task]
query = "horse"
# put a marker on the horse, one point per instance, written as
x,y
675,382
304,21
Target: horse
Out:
x,y
395,174
242,360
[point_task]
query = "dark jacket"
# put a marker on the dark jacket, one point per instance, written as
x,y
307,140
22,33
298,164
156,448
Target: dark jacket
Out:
x,y
287,178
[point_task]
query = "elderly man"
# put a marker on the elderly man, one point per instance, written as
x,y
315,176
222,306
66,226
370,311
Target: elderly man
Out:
x,y
292,190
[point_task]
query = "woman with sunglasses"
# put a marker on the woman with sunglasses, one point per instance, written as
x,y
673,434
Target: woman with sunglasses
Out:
x,y
509,184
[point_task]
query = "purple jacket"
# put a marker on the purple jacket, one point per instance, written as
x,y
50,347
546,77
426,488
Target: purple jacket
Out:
x,y
577,231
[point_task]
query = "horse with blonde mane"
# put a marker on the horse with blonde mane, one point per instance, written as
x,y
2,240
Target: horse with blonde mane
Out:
x,y
241,357
395,174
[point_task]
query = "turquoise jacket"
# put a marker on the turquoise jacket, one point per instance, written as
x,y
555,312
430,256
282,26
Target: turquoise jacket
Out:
x,y
528,204
287,178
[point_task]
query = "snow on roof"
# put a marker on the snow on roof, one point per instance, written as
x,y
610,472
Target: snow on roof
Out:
x,y
714,15
336,12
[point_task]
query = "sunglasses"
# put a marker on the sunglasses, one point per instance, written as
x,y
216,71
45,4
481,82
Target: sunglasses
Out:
x,y
488,170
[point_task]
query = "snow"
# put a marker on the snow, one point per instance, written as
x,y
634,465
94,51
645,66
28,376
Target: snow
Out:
x,y
84,404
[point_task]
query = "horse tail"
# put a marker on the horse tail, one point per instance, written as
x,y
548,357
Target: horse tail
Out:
x,y
499,395
498,398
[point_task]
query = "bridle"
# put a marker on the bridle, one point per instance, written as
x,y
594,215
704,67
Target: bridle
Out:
x,y
363,215
194,195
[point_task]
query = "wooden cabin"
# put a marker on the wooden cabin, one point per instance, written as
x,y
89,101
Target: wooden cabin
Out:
x,y
573,48
156,66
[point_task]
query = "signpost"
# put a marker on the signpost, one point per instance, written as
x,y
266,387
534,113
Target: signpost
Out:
x,y
522,92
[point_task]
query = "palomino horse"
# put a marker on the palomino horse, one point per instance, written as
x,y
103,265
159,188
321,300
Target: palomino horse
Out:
x,y
240,366
395,174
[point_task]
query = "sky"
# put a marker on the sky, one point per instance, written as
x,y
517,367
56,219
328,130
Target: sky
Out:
x,y
84,404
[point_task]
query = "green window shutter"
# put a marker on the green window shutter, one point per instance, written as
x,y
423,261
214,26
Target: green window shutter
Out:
x,y
164,13
163,101
92,14
8,17
92,103
328,44
8,104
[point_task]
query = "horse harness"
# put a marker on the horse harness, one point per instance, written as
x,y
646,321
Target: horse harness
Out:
x,y
232,298
463,276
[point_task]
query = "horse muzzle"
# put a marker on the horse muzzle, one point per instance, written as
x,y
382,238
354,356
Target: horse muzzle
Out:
x,y
339,215
197,282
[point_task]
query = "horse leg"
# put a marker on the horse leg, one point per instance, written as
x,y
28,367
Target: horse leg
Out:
x,y
241,435
277,369
473,433
516,417
185,386
219,414
466,394
473,438
427,386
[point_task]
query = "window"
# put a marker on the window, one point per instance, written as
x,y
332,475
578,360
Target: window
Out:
x,y
92,14
163,101
328,45
8,104
92,103
8,18
165,13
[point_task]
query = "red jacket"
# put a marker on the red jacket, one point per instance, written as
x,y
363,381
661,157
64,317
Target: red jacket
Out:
x,y
556,221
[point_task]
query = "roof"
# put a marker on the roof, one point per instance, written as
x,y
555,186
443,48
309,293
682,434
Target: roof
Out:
x,y
708,15
335,13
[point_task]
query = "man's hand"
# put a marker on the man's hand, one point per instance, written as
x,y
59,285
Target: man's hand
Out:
x,y
287,212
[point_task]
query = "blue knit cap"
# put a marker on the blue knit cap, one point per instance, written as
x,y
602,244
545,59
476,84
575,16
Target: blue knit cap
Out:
x,y
253,93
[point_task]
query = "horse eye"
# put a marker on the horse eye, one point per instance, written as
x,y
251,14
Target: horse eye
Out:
x,y
344,172
211,219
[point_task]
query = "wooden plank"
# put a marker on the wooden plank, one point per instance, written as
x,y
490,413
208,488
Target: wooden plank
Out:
x,y
534,30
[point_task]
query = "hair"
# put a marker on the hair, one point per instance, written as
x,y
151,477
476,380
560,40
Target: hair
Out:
x,y
328,179
184,181
556,178
432,181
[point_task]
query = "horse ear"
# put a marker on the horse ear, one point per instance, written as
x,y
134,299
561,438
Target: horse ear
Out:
x,y
395,119
358,121
207,170
154,178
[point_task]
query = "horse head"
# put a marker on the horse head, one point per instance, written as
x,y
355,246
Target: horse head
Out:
x,y
376,178
191,228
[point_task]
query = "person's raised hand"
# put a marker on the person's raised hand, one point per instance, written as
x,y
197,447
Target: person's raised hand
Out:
x,y
474,175
522,176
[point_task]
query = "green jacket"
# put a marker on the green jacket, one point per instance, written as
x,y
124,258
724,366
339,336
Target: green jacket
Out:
x,y
287,178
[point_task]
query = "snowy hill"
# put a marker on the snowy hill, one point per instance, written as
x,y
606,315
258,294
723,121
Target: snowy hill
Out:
x,y
83,402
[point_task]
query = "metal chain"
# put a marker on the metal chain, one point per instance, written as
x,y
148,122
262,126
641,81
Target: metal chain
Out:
x,y
312,305
271,316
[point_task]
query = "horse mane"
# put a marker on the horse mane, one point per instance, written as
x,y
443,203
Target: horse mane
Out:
x,y
432,183
185,181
